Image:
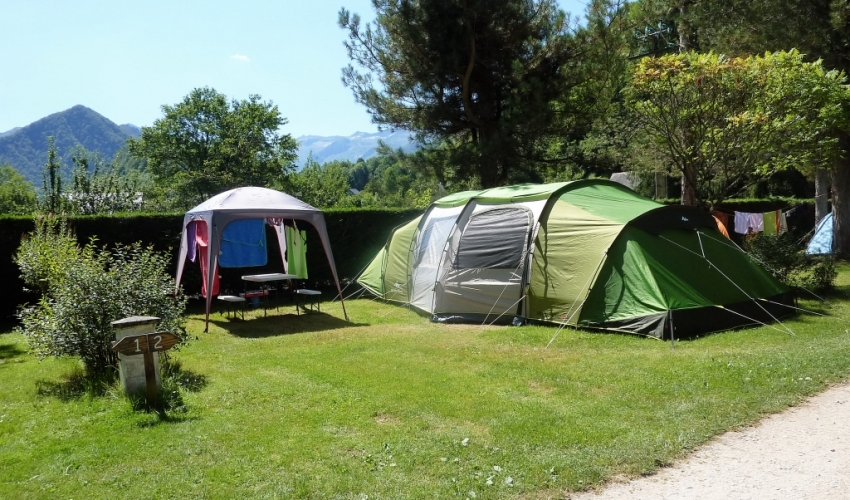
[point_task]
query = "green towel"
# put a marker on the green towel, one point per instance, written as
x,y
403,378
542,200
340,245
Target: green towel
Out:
x,y
770,223
296,252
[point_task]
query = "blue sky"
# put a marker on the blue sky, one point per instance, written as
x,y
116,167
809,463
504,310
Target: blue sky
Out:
x,y
126,59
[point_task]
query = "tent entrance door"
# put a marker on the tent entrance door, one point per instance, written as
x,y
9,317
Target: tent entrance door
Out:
x,y
479,291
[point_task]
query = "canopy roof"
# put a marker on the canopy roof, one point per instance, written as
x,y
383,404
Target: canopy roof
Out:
x,y
247,199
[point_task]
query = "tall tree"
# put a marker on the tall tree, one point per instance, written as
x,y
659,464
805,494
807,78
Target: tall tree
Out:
x,y
52,201
485,80
726,122
820,29
207,144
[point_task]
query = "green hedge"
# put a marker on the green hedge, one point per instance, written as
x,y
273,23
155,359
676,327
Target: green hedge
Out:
x,y
355,235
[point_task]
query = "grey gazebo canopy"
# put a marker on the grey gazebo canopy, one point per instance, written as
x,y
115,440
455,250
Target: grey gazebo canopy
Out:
x,y
249,203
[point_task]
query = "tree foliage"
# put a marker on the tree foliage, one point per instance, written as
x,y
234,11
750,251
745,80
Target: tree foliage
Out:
x,y
486,81
100,188
392,179
321,186
725,123
17,195
207,144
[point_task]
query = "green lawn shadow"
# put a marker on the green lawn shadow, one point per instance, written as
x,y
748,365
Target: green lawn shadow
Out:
x,y
76,385
281,324
9,351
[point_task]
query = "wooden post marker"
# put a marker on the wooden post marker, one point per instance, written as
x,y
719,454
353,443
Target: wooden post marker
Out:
x,y
147,344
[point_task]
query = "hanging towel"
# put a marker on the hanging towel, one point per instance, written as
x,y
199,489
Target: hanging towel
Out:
x,y
721,227
757,222
296,252
202,239
782,223
243,244
769,219
277,224
191,232
722,217
742,222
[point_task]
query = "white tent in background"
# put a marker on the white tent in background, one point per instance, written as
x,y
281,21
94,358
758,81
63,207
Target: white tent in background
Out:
x,y
248,203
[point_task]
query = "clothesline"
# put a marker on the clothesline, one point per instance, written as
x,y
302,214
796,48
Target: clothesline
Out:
x,y
787,211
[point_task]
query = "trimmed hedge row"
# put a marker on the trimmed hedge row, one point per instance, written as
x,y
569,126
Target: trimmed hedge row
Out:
x,y
355,234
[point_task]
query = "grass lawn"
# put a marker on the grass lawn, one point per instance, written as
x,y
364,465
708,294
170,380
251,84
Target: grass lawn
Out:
x,y
392,406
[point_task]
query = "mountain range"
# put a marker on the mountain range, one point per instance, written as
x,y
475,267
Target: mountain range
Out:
x,y
359,145
25,148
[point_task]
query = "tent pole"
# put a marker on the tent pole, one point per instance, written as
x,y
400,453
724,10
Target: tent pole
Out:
x,y
672,330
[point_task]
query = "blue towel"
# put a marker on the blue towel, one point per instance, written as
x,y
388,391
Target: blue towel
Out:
x,y
821,243
243,244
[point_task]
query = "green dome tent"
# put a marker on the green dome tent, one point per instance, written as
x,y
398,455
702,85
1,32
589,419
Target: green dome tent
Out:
x,y
588,253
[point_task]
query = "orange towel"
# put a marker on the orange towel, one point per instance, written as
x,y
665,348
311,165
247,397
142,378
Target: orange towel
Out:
x,y
720,226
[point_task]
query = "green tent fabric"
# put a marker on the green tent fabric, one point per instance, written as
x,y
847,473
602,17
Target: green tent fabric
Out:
x,y
296,252
387,274
600,256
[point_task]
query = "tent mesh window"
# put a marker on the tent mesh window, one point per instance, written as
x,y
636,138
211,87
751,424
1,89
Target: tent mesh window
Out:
x,y
495,239
433,238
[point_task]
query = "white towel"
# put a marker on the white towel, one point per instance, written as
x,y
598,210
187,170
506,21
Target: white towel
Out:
x,y
742,222
757,222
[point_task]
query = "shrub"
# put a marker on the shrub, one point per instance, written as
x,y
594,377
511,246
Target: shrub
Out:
x,y
784,259
45,255
98,286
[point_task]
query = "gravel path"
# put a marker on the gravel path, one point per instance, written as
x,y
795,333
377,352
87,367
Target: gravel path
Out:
x,y
801,453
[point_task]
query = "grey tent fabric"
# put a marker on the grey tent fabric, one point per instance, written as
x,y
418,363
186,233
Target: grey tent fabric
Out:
x,y
481,247
249,203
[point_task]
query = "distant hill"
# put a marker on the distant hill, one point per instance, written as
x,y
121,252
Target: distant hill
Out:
x,y
131,130
25,148
359,145
9,132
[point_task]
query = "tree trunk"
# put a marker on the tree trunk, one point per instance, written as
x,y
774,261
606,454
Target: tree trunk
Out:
x,y
491,166
841,211
661,185
689,196
684,27
821,194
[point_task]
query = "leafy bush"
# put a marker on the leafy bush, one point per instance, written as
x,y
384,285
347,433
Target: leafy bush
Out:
x,y
45,255
97,286
784,259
